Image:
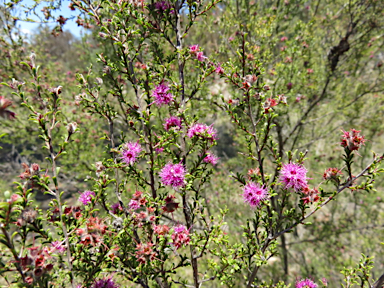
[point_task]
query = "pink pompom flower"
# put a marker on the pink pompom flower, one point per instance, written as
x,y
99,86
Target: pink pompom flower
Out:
x,y
202,131
130,152
293,176
105,283
352,140
172,121
210,158
254,194
86,197
173,175
306,283
180,236
161,95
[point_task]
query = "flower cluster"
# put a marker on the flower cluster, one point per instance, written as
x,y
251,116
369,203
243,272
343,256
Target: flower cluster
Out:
x,y
145,252
105,283
172,121
116,208
254,194
180,236
160,229
332,174
203,131
352,140
37,261
195,50
57,246
170,204
130,152
86,197
306,283
294,176
91,235
268,104
311,195
161,95
173,175
210,158
163,5
137,201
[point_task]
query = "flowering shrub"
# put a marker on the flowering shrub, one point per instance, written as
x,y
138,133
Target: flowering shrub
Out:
x,y
172,230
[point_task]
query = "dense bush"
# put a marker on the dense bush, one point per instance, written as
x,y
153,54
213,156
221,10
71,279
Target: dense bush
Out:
x,y
118,135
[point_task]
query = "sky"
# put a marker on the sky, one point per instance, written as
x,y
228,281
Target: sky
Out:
x,y
29,28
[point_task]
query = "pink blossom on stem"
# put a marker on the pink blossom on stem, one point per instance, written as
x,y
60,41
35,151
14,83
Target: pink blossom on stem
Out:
x,y
86,197
203,131
180,236
130,152
211,158
200,56
352,140
57,245
254,194
105,283
294,176
116,207
311,195
193,49
332,174
172,121
173,175
159,150
219,70
134,205
306,283
161,95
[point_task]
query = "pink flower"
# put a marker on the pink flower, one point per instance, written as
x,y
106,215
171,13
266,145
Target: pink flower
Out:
x,y
160,229
159,150
134,205
180,236
211,158
332,174
203,131
116,207
161,95
312,195
57,246
130,152
352,140
219,70
306,283
193,49
284,38
200,56
294,176
172,121
162,5
173,175
254,194
105,283
86,197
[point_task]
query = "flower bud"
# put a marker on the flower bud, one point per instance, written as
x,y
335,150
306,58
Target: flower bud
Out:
x,y
29,215
32,57
107,70
99,81
71,127
35,169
